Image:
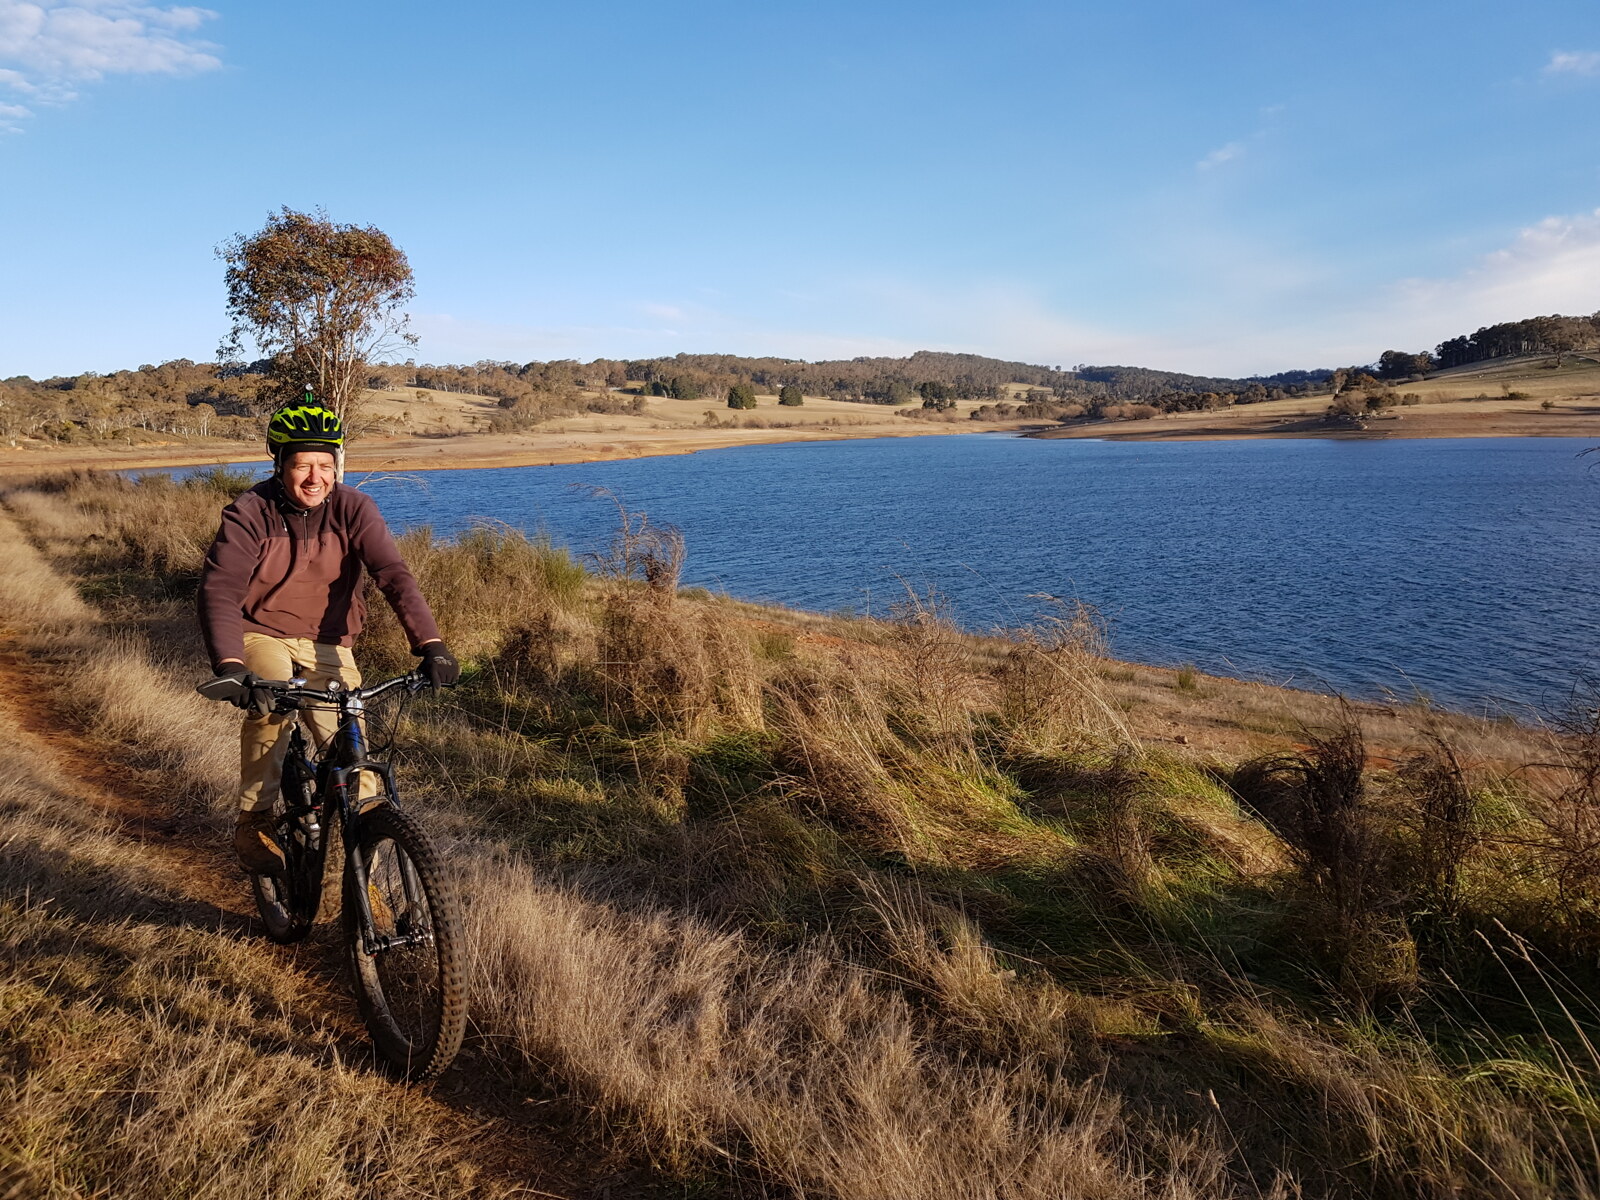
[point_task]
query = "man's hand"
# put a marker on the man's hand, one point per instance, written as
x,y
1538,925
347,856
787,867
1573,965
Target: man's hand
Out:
x,y
237,686
439,665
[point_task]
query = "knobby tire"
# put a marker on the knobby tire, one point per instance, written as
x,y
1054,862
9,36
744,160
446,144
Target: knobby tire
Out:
x,y
412,998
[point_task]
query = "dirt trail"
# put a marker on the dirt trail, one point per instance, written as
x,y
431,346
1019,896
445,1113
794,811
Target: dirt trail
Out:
x,y
188,857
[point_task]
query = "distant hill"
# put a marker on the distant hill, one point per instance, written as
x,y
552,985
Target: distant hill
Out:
x,y
1136,383
204,398
872,380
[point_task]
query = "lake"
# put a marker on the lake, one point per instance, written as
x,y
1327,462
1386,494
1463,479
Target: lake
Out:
x,y
1463,569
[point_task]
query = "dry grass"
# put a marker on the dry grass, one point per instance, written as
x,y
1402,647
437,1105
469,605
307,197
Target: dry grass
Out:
x,y
815,903
794,1065
143,1052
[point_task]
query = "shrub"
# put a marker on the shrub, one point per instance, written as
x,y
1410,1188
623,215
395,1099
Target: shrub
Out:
x,y
1446,812
640,550
1130,412
741,395
1049,682
790,396
1317,801
665,666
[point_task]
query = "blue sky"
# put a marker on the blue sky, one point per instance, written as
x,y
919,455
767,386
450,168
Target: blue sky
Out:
x,y
1221,188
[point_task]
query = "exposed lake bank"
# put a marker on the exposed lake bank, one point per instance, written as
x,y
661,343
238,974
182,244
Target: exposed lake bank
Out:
x,y
447,433
608,438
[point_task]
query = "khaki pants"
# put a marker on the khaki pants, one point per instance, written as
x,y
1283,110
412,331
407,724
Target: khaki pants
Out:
x,y
265,740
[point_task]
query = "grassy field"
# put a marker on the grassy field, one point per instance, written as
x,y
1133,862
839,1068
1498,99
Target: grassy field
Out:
x,y
419,429
779,904
1499,399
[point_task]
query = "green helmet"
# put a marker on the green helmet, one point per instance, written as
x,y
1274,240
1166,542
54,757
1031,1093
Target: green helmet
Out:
x,y
305,426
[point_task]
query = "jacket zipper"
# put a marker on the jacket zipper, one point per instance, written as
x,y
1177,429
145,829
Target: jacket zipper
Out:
x,y
294,551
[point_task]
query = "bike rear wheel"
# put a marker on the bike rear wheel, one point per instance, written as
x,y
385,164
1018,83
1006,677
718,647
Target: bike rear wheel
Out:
x,y
408,982
288,902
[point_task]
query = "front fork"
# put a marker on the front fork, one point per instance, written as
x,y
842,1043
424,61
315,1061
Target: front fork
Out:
x,y
346,783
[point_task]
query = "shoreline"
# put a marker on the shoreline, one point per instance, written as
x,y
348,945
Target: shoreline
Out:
x,y
468,451
1275,421
472,451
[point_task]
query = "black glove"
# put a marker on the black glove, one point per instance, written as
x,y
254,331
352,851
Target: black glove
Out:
x,y
439,665
237,687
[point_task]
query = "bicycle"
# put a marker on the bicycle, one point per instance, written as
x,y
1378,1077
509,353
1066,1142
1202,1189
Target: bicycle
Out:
x,y
400,925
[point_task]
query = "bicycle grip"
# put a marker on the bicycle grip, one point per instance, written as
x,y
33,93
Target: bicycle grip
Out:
x,y
219,688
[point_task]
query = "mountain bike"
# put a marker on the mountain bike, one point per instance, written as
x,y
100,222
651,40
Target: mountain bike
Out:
x,y
401,931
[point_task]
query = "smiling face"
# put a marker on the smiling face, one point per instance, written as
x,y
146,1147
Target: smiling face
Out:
x,y
308,477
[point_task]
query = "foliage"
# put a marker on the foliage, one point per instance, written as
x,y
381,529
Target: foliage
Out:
x,y
741,395
1397,364
1553,334
189,399
321,300
177,399
640,549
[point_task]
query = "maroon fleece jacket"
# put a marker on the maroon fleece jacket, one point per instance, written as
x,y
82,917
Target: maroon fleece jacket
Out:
x,y
294,573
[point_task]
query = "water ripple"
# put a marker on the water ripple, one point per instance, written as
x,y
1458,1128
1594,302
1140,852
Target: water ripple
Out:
x,y
1461,568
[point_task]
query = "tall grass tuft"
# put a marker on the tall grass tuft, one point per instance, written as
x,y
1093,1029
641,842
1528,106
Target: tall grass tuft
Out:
x,y
1448,828
1572,823
670,667
640,549
1318,802
1051,696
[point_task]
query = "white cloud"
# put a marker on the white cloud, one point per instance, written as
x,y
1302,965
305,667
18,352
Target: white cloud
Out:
x,y
1549,267
664,312
1573,62
444,338
49,47
1221,155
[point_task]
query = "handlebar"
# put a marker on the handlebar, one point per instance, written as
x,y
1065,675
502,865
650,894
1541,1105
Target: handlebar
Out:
x,y
296,689
291,693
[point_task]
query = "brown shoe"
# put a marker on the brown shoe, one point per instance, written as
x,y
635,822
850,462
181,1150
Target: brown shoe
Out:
x,y
258,851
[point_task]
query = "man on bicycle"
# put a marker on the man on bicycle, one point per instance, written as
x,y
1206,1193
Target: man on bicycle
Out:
x,y
280,596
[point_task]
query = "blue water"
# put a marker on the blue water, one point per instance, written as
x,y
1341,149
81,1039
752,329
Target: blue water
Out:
x,y
1463,569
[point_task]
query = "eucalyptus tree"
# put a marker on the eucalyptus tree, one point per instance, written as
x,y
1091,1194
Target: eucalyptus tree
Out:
x,y
321,301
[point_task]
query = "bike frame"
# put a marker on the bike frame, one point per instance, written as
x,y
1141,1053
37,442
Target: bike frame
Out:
x,y
328,775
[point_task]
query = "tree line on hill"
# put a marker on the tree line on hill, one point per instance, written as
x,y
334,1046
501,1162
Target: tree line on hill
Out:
x,y
185,398
1555,335
180,398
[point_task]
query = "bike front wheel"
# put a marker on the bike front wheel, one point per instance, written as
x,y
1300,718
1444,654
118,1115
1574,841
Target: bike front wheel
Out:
x,y
408,977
